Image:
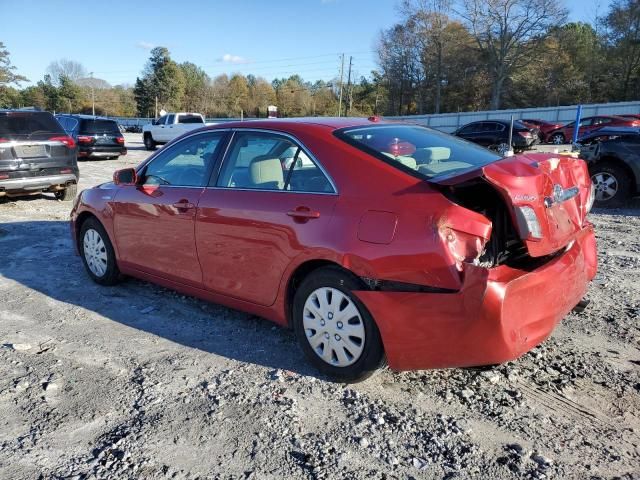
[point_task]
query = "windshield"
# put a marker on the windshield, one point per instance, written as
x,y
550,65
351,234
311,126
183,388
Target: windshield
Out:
x,y
421,151
28,125
93,127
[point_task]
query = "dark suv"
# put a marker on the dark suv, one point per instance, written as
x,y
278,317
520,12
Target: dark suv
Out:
x,y
494,134
96,137
36,155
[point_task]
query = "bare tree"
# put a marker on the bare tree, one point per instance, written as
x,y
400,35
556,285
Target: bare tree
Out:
x,y
64,67
507,33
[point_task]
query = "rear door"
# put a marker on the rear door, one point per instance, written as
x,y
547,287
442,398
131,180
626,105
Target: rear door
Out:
x,y
155,220
34,144
270,202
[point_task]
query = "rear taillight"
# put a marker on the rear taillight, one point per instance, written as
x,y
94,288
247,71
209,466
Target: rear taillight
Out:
x,y
120,140
66,140
525,134
4,140
528,222
3,176
84,139
635,123
66,170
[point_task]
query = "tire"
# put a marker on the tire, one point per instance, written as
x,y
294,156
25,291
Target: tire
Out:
x,y
68,194
612,185
326,292
557,139
149,144
99,257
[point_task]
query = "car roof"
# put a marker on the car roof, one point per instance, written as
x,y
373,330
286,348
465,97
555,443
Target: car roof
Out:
x,y
331,123
613,131
85,117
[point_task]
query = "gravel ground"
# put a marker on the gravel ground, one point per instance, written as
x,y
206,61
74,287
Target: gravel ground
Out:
x,y
136,381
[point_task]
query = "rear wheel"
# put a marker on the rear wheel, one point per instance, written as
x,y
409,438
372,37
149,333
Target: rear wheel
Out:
x,y
612,185
97,253
557,139
149,144
68,194
335,330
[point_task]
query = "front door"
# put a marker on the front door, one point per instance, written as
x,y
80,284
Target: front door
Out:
x,y
269,203
155,219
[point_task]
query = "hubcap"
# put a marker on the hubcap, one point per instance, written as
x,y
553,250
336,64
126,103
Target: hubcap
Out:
x,y
558,140
503,148
606,186
334,327
95,252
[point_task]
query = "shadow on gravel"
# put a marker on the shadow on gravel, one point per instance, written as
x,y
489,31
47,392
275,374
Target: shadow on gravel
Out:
x,y
39,255
631,210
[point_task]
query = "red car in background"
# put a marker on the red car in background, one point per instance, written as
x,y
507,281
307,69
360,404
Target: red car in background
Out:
x,y
372,240
543,126
565,134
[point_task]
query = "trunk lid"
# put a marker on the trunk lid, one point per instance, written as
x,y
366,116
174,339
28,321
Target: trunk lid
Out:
x,y
555,188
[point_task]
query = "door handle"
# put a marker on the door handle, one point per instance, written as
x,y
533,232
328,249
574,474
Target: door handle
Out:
x,y
184,205
303,213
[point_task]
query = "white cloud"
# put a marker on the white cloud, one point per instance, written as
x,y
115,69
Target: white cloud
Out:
x,y
145,45
228,58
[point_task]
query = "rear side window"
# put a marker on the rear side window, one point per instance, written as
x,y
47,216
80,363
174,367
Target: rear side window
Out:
x,y
190,119
28,125
420,151
98,127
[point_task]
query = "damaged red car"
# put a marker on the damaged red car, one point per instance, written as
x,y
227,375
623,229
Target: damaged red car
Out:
x,y
376,242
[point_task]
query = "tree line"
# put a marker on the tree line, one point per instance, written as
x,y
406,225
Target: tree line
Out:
x,y
439,57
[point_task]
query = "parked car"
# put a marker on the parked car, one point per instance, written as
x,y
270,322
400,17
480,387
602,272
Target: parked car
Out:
x,y
170,126
36,155
494,134
631,116
613,157
543,126
441,255
565,134
96,137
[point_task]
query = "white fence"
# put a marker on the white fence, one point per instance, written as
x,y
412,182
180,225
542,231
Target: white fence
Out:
x,y
448,122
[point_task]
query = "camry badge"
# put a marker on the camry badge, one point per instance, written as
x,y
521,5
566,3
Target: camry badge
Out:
x,y
560,195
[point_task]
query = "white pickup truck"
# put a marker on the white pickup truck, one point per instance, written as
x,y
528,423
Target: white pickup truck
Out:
x,y
170,126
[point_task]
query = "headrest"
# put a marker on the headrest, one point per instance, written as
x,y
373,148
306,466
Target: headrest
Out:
x,y
266,173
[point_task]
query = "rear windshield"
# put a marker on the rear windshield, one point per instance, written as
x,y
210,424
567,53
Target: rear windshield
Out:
x,y
28,125
92,127
190,119
421,151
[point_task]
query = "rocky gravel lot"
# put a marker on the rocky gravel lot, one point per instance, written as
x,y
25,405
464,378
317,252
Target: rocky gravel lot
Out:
x,y
136,381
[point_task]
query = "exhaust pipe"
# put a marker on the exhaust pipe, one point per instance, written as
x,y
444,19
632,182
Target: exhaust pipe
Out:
x,y
582,304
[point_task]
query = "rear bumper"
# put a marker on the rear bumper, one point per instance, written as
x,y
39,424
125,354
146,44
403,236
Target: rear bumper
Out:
x,y
28,184
101,151
498,315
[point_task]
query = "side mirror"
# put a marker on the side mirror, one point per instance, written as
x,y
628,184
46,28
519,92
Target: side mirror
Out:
x,y
126,176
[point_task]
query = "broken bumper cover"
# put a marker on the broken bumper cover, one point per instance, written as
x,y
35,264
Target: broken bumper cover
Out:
x,y
497,316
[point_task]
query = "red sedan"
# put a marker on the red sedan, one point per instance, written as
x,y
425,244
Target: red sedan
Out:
x,y
543,126
565,134
374,241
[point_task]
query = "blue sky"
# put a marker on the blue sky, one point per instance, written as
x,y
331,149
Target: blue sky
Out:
x,y
272,38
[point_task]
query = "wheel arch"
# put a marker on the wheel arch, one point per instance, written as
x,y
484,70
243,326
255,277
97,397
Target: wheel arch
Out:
x,y
301,272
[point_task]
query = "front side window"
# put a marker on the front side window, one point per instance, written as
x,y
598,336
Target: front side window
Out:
x,y
268,161
420,151
185,164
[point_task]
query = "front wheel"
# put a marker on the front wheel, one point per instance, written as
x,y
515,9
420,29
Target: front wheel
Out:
x,y
335,330
97,253
557,139
149,144
612,185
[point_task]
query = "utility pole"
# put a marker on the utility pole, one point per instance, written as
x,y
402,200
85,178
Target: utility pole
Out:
x,y
341,79
156,114
93,97
349,87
